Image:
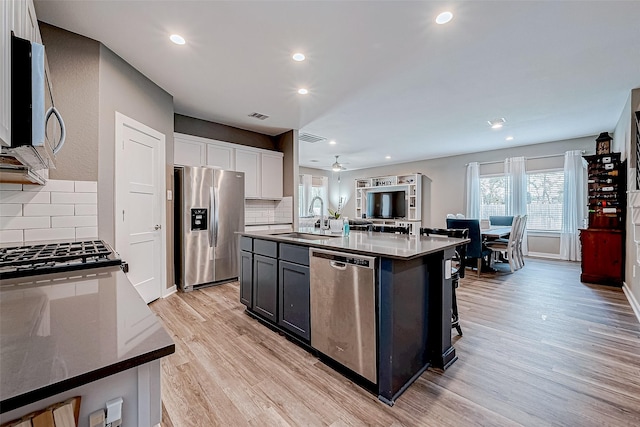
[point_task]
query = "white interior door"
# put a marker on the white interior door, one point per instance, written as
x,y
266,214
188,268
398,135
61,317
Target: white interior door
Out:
x,y
140,213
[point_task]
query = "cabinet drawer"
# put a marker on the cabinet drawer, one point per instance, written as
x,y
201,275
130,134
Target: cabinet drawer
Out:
x,y
265,247
294,253
246,244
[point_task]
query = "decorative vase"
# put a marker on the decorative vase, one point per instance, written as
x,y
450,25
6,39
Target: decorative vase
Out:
x,y
335,225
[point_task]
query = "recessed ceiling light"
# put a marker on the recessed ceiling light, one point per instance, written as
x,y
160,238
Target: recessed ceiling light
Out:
x,y
444,17
509,138
387,157
313,161
497,123
332,142
177,39
303,91
298,57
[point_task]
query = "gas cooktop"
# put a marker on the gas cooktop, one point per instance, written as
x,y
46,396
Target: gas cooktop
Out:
x,y
23,261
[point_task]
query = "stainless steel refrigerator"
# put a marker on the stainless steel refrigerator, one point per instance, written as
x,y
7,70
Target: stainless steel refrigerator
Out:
x,y
208,212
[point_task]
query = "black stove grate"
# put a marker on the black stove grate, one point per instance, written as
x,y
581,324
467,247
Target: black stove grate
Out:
x,y
20,261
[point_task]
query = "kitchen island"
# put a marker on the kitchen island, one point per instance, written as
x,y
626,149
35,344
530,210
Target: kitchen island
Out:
x,y
410,311
83,333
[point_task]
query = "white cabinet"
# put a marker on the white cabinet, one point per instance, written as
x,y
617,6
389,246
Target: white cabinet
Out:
x,y
272,175
220,156
411,184
6,22
188,153
18,16
249,163
262,169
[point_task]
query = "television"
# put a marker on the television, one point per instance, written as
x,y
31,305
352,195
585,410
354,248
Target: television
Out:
x,y
386,204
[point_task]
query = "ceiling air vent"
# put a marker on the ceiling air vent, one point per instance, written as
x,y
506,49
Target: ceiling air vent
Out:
x,y
307,137
259,116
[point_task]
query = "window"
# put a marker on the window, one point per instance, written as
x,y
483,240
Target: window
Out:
x,y
544,199
544,204
309,188
492,200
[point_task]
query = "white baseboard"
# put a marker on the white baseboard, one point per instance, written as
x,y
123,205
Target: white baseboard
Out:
x,y
543,255
169,291
632,300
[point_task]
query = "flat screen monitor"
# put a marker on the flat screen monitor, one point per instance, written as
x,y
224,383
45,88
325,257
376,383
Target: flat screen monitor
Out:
x,y
386,204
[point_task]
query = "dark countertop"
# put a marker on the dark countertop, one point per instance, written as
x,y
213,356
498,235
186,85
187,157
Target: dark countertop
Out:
x,y
60,331
399,246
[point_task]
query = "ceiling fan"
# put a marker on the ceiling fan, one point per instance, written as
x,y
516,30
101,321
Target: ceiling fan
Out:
x,y
337,166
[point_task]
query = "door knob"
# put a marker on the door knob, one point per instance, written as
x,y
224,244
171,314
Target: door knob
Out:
x,y
157,227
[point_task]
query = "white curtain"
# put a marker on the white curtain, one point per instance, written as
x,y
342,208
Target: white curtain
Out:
x,y
515,171
574,204
473,190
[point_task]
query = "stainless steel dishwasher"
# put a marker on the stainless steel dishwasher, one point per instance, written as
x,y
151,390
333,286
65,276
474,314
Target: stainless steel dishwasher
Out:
x,y
343,309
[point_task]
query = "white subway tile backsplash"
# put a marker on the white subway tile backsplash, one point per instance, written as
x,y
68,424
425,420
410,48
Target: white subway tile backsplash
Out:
x,y
58,210
24,197
51,185
86,187
86,209
48,210
74,198
10,187
35,235
87,233
11,236
10,209
24,222
74,221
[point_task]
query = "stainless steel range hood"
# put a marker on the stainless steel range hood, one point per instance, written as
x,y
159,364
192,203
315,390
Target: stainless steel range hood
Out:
x,y
24,165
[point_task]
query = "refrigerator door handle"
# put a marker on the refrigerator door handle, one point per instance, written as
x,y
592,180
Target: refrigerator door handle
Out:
x,y
212,209
215,222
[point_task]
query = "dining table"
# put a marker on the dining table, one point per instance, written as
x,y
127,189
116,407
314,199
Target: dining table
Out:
x,y
495,233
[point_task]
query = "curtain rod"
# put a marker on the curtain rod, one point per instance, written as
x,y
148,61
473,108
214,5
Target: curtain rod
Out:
x,y
526,158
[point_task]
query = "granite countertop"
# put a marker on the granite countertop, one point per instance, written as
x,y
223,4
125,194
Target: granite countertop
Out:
x,y
60,331
400,246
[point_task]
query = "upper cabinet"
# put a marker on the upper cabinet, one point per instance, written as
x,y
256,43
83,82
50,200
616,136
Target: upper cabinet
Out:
x,y
188,153
249,163
220,156
18,16
262,168
271,171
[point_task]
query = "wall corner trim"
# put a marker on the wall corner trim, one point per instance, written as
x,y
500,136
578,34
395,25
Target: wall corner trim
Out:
x,y
169,291
632,300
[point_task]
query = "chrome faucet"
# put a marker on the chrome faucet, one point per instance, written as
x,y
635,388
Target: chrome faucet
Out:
x,y
322,225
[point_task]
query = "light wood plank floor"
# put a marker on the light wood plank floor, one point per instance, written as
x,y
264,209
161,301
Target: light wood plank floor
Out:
x,y
539,348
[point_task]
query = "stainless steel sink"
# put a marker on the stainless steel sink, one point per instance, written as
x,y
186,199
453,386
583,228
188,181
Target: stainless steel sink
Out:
x,y
308,236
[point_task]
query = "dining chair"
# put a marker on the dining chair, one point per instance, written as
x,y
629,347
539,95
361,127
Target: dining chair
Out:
x,y
475,249
508,248
504,220
457,267
522,228
390,229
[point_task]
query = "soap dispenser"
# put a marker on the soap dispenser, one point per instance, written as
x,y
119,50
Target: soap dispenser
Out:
x,y
345,227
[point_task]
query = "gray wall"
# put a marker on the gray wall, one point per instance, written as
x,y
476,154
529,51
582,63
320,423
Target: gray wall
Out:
x,y
206,129
73,67
624,139
124,89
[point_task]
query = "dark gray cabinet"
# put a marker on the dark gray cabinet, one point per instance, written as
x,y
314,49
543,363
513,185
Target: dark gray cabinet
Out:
x,y
246,278
265,286
293,298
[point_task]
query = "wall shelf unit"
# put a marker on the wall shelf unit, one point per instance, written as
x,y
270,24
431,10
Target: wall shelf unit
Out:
x,y
411,184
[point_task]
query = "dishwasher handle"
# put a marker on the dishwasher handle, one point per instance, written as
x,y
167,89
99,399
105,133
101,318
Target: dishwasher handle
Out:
x,y
338,265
